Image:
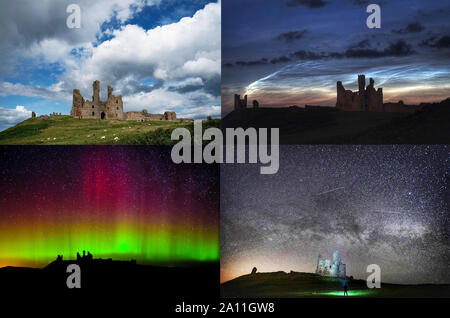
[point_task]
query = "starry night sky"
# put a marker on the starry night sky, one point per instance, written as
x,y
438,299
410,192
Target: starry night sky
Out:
x,y
292,52
385,205
119,202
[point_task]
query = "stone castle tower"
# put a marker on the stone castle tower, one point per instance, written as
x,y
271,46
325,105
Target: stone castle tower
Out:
x,y
240,103
334,269
112,108
366,99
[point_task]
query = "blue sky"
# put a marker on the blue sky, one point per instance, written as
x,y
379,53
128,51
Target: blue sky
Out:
x,y
292,52
159,54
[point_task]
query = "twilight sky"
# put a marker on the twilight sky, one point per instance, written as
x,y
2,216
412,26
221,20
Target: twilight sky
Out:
x,y
119,202
385,205
159,54
292,52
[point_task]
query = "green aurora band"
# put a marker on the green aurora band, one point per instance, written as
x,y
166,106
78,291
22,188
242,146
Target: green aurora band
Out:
x,y
115,202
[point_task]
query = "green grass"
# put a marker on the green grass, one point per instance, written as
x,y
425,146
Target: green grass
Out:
x,y
162,136
66,130
350,293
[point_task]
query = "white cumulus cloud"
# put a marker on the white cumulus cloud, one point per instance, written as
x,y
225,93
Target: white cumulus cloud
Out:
x,y
200,112
169,67
184,55
11,117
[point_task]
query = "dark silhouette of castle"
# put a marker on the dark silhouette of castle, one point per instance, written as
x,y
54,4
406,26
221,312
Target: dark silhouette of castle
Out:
x,y
366,99
88,256
84,257
242,103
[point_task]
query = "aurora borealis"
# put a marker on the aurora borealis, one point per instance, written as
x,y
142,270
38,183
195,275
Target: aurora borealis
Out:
x,y
116,202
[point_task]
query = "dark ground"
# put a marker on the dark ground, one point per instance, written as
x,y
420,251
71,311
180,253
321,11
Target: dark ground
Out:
x,y
294,285
331,126
195,281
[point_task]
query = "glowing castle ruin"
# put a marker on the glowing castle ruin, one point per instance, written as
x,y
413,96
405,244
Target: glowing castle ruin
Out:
x,y
335,269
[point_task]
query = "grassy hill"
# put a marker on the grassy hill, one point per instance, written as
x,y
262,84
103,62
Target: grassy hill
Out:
x,y
332,126
66,130
294,284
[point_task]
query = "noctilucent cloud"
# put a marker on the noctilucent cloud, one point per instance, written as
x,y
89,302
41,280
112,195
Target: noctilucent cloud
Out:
x,y
286,53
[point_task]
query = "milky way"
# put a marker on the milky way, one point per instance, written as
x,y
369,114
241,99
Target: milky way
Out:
x,y
385,205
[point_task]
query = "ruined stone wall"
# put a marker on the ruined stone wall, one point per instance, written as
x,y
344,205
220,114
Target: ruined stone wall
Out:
x,y
362,92
366,99
111,109
77,104
93,110
380,104
323,267
144,115
374,98
371,99
334,268
342,271
114,107
133,116
240,103
96,90
170,116
346,99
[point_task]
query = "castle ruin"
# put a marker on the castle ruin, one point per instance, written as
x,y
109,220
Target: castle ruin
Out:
x,y
240,103
335,269
111,109
366,99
